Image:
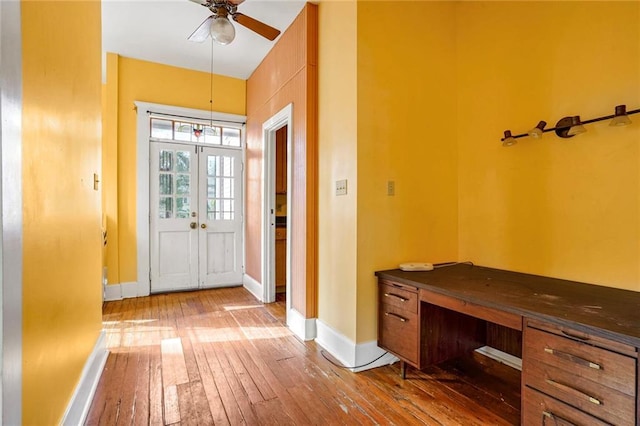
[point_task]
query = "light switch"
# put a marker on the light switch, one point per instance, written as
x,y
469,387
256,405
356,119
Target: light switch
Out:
x,y
341,187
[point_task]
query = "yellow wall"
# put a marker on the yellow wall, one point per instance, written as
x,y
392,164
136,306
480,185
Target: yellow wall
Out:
x,y
406,122
432,103
337,160
137,80
566,208
61,211
110,169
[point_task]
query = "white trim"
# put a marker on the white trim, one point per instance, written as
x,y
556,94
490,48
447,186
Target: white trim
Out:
x,y
284,117
348,353
304,328
11,226
502,357
123,291
253,286
80,403
129,290
112,292
142,177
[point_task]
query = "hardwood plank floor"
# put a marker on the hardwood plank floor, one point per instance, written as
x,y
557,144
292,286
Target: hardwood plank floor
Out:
x,y
220,357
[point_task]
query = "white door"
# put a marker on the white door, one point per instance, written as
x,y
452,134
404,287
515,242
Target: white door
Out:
x,y
220,207
195,217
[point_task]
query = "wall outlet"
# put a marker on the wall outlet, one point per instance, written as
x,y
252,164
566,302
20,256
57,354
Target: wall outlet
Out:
x,y
341,187
391,187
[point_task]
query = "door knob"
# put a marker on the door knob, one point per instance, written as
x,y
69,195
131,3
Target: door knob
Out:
x,y
193,225
203,225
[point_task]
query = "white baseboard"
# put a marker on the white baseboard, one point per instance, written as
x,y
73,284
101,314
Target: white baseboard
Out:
x,y
129,290
304,328
355,357
112,292
123,291
253,286
80,403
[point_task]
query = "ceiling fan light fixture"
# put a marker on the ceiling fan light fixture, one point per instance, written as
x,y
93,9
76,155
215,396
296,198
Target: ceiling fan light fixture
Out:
x,y
222,30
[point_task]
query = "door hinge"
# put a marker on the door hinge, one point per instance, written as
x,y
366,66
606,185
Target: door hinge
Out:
x,y
149,217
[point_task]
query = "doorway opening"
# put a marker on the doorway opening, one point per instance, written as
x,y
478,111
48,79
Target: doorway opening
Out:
x,y
278,225
200,125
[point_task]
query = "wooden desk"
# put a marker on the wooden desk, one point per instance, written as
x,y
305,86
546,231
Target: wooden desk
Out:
x,y
578,342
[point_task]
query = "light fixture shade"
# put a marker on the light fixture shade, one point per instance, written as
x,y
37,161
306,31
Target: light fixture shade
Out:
x,y
508,139
222,30
537,131
621,118
576,126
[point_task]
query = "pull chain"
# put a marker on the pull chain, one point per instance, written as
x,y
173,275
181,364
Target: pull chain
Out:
x,y
211,87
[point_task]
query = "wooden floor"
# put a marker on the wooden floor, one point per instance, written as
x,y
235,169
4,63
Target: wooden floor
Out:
x,y
220,357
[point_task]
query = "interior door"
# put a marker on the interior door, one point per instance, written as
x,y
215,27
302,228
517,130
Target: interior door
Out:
x,y
196,217
173,217
220,239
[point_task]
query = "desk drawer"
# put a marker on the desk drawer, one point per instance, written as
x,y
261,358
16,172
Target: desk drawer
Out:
x,y
398,332
598,381
399,295
540,409
589,363
584,337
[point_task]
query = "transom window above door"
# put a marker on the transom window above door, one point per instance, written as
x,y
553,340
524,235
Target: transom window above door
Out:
x,y
198,133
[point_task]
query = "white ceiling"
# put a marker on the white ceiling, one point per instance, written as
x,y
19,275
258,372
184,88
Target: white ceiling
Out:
x,y
157,31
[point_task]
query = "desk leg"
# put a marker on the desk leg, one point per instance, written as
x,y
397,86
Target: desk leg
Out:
x,y
403,370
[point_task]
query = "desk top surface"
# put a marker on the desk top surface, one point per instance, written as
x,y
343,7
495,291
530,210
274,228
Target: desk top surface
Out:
x,y
609,312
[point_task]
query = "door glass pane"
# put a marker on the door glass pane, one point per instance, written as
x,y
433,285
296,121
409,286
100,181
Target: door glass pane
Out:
x,y
212,135
182,131
166,184
161,129
231,137
166,161
227,166
182,184
166,208
183,161
220,190
182,207
213,165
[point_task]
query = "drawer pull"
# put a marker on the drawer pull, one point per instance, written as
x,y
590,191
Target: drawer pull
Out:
x,y
574,392
573,358
573,335
557,420
391,314
402,299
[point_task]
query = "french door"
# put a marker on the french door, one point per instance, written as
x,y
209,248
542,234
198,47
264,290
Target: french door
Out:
x,y
195,217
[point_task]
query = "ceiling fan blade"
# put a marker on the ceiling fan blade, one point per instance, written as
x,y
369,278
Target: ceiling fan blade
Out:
x,y
236,2
202,32
254,25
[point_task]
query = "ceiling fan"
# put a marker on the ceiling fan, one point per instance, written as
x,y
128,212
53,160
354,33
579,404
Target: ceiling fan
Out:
x,y
221,29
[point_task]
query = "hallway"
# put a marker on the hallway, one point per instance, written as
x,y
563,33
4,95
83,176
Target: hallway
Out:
x,y
221,357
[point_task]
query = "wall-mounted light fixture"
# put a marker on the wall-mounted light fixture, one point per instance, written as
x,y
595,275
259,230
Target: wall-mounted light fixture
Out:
x,y
568,127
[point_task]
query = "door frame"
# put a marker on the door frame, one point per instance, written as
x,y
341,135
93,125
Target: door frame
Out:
x,y
11,225
282,118
143,121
